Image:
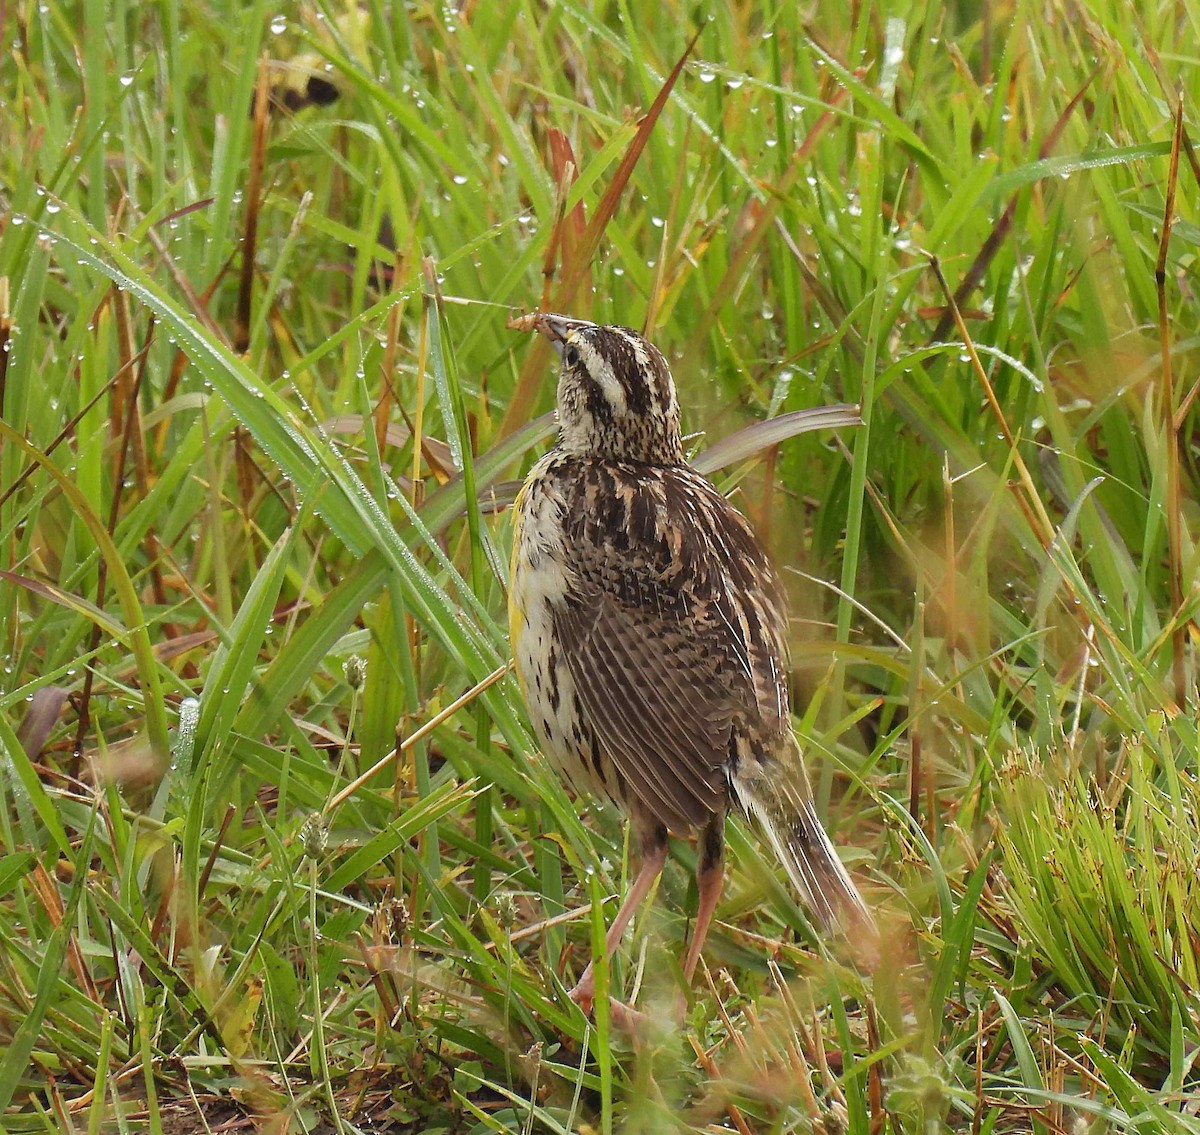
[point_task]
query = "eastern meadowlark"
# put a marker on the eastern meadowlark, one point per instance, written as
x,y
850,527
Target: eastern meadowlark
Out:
x,y
650,637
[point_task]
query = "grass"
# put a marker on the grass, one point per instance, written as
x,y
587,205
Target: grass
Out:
x,y
260,416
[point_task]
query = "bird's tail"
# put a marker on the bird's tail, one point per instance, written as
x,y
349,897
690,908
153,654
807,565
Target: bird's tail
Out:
x,y
780,801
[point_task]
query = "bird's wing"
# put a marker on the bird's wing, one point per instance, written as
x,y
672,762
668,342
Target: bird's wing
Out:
x,y
672,632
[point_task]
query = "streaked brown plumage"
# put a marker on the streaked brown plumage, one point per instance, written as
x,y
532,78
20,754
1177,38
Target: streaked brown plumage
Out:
x,y
649,633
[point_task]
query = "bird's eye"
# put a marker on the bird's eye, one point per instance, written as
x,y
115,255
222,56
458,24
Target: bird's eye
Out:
x,y
571,355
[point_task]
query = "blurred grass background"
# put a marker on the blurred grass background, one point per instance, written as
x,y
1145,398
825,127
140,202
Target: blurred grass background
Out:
x,y
260,419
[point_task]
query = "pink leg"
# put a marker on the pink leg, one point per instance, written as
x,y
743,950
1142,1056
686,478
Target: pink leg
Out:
x,y
652,864
710,880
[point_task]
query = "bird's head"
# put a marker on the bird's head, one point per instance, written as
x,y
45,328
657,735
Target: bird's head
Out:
x,y
616,397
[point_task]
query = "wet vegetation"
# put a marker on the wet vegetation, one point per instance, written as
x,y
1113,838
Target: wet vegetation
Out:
x,y
276,841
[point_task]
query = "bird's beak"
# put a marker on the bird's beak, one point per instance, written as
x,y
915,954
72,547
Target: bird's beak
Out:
x,y
556,328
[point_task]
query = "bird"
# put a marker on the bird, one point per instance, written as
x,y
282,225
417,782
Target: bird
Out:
x,y
649,636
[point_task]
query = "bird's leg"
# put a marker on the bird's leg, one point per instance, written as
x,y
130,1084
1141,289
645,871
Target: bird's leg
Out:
x,y
654,855
710,878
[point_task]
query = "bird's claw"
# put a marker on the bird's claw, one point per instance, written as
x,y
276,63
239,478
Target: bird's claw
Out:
x,y
633,1022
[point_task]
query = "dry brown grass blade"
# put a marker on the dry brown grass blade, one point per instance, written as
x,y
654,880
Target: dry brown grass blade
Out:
x,y
874,1075
47,894
1170,424
705,1060
1002,227
590,240
569,227
119,306
114,513
258,154
1029,500
520,405
213,855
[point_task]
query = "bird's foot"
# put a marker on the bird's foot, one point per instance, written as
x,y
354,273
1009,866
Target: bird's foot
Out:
x,y
584,995
633,1022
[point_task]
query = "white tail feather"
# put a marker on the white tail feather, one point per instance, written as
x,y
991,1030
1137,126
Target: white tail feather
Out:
x,y
784,810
